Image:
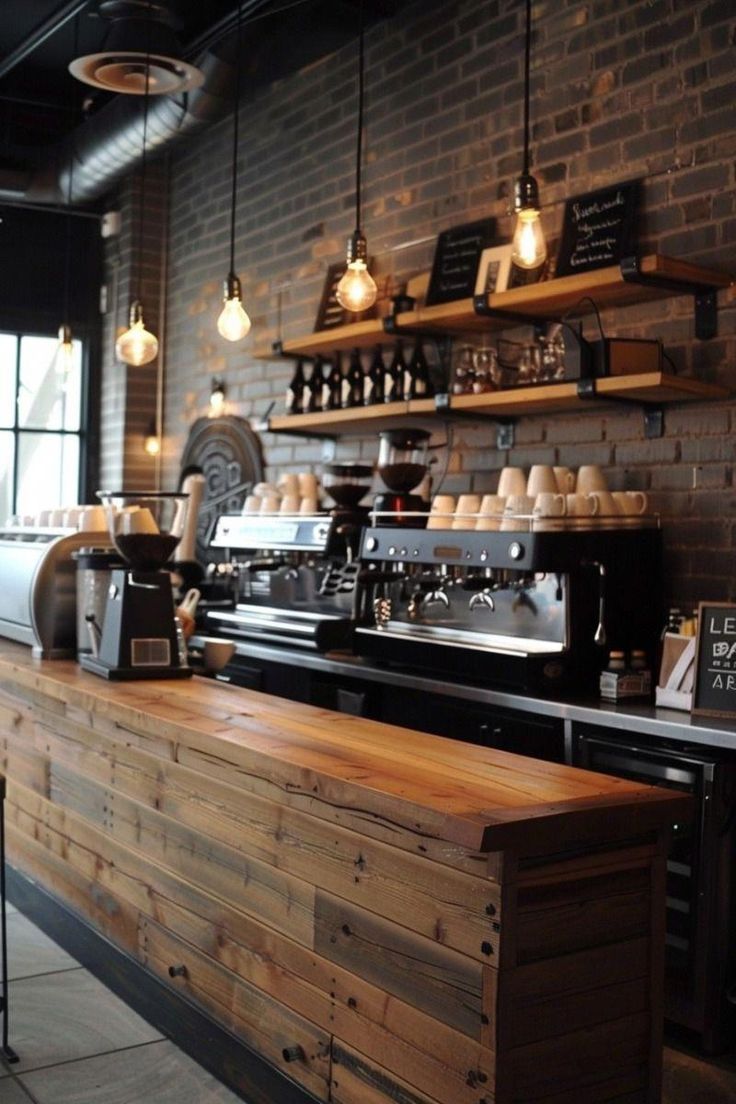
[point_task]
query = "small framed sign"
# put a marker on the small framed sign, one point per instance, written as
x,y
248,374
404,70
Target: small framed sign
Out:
x,y
456,259
714,688
330,314
598,229
493,270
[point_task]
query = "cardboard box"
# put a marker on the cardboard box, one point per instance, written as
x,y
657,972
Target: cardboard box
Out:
x,y
623,356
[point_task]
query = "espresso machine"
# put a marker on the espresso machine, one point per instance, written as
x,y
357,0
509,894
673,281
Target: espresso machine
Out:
x,y
527,611
293,577
141,637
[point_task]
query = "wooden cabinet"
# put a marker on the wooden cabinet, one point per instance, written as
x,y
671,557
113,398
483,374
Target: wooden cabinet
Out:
x,y
634,281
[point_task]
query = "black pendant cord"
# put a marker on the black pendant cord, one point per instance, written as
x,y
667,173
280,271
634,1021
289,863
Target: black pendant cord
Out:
x,y
236,130
361,94
527,58
142,198
69,192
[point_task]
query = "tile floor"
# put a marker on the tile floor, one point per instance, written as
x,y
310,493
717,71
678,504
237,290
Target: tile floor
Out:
x,y
80,1044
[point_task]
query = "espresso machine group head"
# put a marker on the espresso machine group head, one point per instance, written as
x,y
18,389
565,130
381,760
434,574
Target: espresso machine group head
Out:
x,y
141,637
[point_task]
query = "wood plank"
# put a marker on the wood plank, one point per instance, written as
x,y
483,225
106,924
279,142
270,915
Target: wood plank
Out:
x,y
319,989
357,1080
262,1022
445,905
415,794
284,902
444,984
583,912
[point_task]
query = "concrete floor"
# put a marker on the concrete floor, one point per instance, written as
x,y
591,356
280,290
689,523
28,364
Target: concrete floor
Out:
x,y
80,1044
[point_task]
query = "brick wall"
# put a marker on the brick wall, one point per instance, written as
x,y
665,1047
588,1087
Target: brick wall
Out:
x,y
621,89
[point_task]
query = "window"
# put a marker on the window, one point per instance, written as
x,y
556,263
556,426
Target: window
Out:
x,y
41,437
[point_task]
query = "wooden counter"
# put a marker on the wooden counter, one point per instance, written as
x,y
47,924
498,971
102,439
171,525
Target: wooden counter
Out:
x,y
384,915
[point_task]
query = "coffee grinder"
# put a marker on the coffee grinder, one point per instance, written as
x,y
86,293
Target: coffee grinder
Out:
x,y
402,465
141,637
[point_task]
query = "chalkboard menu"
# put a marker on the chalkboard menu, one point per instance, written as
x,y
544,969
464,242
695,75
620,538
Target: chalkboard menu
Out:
x,y
714,691
598,229
330,314
456,258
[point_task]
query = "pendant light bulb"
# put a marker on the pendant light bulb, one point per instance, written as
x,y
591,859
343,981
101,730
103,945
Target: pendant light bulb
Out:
x,y
357,289
137,346
528,246
233,323
64,358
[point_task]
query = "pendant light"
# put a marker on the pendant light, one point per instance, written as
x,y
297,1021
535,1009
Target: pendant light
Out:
x,y
137,346
233,323
357,289
528,247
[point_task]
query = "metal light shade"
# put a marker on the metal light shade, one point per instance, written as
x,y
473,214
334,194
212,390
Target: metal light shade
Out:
x,y
137,43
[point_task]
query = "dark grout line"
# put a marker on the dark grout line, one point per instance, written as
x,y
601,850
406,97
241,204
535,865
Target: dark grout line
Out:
x,y
46,973
89,1057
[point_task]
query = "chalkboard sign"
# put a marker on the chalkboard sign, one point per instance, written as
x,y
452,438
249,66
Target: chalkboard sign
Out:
x,y
330,314
598,229
456,258
714,691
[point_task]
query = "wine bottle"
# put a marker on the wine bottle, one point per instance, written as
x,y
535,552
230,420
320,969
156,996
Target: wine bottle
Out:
x,y
295,390
417,384
312,394
373,379
352,384
393,380
332,390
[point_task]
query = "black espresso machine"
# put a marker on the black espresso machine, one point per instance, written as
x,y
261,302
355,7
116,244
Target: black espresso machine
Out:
x,y
293,578
528,611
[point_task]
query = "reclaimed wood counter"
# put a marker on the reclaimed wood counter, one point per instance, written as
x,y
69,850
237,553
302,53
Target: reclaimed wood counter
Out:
x,y
381,914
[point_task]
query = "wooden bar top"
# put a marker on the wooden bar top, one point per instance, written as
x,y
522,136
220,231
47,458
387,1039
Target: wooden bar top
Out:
x,y
473,797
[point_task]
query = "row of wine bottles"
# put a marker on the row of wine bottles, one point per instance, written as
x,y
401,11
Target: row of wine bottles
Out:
x,y
332,385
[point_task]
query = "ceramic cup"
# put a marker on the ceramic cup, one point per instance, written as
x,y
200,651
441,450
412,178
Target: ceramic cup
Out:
x,y
541,479
491,510
288,483
92,519
137,520
216,652
580,510
590,478
307,484
56,519
512,482
252,504
308,506
517,514
441,512
290,504
43,517
565,480
631,502
263,489
71,517
270,504
466,504
608,513
549,511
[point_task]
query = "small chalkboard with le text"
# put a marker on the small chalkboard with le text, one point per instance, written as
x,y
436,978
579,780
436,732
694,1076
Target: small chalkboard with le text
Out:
x,y
456,258
714,688
598,229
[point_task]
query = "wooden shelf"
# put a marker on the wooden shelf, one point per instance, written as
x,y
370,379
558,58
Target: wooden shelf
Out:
x,y
355,420
658,278
649,387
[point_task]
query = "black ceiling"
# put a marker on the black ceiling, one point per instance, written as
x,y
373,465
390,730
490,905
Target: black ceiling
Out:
x,y
40,102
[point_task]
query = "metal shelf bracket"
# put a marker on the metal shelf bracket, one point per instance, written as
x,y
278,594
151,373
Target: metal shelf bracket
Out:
x,y
705,300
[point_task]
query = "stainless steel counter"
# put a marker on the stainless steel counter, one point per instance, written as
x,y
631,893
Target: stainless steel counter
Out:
x,y
635,719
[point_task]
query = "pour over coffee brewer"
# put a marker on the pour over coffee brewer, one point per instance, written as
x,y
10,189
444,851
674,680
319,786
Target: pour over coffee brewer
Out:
x,y
141,638
402,465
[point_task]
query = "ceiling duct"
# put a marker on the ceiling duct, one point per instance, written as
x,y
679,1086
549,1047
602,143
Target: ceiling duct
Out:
x,y
142,53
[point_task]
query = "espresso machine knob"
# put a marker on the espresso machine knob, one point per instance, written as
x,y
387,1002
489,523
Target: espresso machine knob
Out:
x,y
516,550
371,544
